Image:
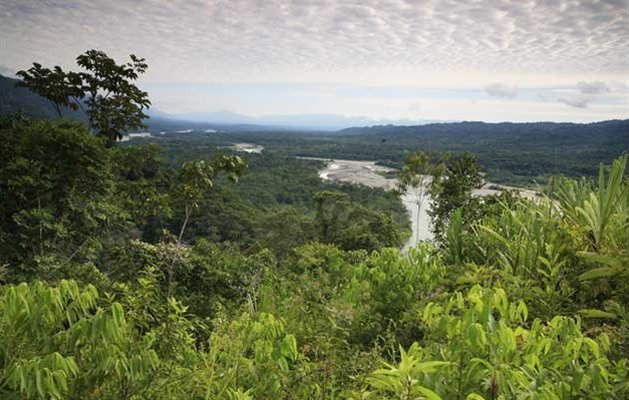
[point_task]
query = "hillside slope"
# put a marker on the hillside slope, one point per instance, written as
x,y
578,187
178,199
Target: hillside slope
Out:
x,y
510,151
16,99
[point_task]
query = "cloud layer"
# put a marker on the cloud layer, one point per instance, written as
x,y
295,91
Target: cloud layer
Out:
x,y
597,87
500,90
588,92
429,43
198,39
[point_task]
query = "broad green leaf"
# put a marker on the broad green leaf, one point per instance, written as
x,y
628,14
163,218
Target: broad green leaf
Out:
x,y
593,313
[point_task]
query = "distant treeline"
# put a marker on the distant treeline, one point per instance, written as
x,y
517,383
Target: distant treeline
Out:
x,y
514,153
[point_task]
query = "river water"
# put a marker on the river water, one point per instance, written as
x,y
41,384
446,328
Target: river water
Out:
x,y
369,174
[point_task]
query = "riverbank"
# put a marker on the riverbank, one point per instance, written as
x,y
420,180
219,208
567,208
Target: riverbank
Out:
x,y
370,174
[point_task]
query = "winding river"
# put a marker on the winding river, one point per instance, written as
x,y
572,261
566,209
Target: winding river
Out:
x,y
369,174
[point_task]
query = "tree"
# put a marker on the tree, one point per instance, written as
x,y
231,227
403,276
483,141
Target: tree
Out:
x,y
196,178
284,230
454,191
417,175
114,103
369,230
142,187
332,213
56,191
62,89
352,227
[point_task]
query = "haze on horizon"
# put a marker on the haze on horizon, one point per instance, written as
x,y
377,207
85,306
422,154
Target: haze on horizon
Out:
x,y
534,60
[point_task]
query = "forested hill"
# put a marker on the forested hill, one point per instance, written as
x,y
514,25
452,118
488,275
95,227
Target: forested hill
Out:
x,y
15,100
612,132
510,152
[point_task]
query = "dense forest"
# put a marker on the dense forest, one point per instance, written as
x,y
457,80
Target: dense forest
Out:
x,y
522,154
178,269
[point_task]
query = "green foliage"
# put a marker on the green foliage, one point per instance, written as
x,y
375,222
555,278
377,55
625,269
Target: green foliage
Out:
x,y
288,287
114,103
350,227
252,354
284,230
60,88
414,277
600,209
454,191
57,342
57,188
273,185
142,188
477,346
400,381
196,178
332,214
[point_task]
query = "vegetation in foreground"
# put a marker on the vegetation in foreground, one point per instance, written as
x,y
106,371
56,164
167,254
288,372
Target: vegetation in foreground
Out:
x,y
520,154
105,294
118,282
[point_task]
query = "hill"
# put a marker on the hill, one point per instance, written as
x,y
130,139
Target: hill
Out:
x,y
16,99
510,151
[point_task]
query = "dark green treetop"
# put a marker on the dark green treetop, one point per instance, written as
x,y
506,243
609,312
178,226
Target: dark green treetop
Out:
x,y
114,103
62,89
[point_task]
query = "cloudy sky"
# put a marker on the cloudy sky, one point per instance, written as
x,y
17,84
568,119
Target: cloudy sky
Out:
x,y
492,60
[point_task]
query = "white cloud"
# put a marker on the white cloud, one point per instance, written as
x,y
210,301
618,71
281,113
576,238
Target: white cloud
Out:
x,y
7,71
596,87
428,43
588,92
500,90
617,86
218,41
578,101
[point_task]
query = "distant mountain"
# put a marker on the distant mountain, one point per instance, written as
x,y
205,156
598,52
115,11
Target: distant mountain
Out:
x,y
15,99
510,152
157,123
606,137
476,131
313,122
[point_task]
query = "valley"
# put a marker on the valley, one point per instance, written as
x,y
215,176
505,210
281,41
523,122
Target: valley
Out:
x,y
314,200
368,173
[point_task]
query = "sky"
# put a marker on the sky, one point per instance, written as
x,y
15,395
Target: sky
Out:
x,y
492,60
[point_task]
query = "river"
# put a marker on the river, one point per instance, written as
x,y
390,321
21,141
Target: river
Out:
x,y
369,174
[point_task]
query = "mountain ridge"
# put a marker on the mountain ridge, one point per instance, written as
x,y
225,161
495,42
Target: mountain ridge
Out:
x,y
16,99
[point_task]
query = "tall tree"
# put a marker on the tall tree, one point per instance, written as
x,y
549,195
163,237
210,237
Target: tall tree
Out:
x,y
62,89
416,177
56,188
196,178
455,191
332,213
114,103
